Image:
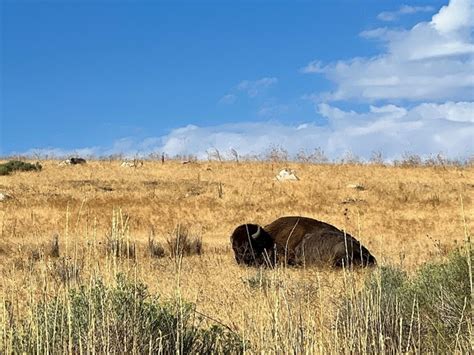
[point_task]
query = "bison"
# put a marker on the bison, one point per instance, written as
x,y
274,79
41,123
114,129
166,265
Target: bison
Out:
x,y
75,161
297,241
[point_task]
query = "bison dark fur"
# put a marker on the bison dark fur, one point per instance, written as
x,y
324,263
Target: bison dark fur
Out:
x,y
297,241
75,161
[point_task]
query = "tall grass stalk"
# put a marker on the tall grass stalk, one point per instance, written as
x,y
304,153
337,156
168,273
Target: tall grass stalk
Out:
x,y
469,256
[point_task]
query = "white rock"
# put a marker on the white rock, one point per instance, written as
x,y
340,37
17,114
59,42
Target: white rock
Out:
x,y
65,162
131,164
4,196
287,175
127,164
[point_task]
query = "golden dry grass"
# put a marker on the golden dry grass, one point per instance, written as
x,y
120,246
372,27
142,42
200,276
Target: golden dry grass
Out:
x,y
405,216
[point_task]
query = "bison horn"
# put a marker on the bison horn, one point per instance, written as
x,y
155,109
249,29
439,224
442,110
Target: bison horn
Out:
x,y
256,234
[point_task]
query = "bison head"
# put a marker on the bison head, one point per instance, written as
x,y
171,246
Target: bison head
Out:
x,y
252,245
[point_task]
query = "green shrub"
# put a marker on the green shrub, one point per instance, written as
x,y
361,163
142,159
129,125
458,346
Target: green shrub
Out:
x,y
444,295
3,170
17,165
428,312
124,318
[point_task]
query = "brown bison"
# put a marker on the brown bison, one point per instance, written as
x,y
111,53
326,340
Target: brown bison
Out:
x,y
297,241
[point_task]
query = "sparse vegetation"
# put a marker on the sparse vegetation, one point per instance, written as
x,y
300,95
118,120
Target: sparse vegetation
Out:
x,y
17,165
376,158
66,271
276,154
182,243
317,156
427,312
155,248
64,239
119,243
54,246
261,281
121,318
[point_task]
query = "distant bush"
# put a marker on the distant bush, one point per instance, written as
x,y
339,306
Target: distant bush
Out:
x,y
409,160
183,243
155,248
350,158
376,158
276,154
429,312
17,165
118,319
317,156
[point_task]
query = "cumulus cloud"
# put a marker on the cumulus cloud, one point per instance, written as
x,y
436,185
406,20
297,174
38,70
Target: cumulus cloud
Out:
x,y
433,61
457,15
403,10
424,129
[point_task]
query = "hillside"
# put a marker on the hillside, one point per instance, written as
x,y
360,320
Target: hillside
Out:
x,y
60,225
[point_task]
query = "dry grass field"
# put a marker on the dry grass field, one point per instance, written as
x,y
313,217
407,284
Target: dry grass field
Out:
x,y
109,219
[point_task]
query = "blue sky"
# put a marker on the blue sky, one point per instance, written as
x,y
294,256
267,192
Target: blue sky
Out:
x,y
134,77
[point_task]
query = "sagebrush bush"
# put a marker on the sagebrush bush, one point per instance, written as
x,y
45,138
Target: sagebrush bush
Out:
x,y
183,243
17,165
444,294
155,248
428,312
120,319
54,247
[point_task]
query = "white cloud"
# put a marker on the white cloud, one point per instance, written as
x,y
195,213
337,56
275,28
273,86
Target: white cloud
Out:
x,y
254,87
403,10
433,61
457,112
424,129
457,15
